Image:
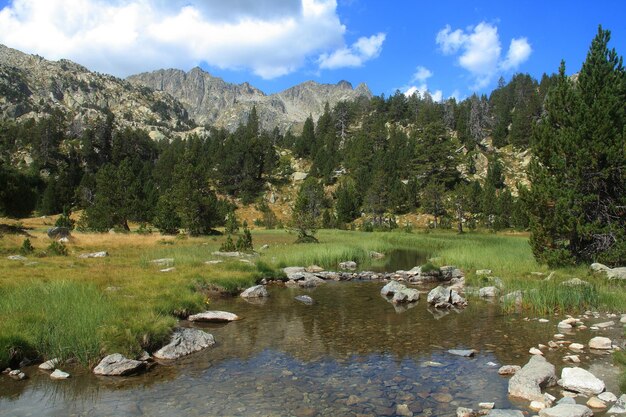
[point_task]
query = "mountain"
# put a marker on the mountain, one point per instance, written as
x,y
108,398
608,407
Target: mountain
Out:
x,y
31,86
211,100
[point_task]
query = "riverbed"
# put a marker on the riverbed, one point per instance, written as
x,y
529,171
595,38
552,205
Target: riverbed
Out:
x,y
350,353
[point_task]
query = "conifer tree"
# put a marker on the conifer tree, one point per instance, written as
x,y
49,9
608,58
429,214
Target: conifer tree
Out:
x,y
578,172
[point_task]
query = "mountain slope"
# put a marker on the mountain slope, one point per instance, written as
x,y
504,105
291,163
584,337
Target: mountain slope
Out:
x,y
211,100
31,86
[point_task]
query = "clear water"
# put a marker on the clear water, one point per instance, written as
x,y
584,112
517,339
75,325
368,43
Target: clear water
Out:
x,y
351,353
399,260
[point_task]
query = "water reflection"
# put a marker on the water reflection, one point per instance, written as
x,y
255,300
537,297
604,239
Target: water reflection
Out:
x,y
350,353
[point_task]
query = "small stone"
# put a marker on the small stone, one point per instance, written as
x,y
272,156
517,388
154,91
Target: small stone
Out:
x,y
543,321
305,299
600,342
49,365
567,400
101,254
564,325
572,358
403,410
59,374
535,351
537,405
352,400
467,353
559,336
213,316
305,412
170,269
442,397
576,346
464,412
509,369
492,364
487,406
17,374
595,402
607,397
604,325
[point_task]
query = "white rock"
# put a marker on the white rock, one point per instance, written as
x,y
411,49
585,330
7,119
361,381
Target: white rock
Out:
x,y
576,346
487,406
619,407
600,342
488,292
17,258
566,410
543,321
101,254
214,316
535,351
608,397
49,365
59,374
580,380
170,269
537,405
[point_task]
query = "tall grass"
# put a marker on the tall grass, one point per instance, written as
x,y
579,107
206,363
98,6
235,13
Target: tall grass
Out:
x,y
58,319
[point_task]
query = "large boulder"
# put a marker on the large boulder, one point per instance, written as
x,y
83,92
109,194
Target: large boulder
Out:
x,y
391,288
535,375
581,380
184,342
213,316
566,410
118,365
258,291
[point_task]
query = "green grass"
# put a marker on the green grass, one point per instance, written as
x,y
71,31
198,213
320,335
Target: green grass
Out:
x,y
84,308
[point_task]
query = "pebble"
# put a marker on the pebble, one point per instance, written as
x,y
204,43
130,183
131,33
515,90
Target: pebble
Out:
x,y
403,410
595,402
576,346
509,369
537,405
535,351
487,406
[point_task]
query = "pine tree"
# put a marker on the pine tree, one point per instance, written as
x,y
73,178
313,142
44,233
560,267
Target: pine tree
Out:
x,y
576,203
307,211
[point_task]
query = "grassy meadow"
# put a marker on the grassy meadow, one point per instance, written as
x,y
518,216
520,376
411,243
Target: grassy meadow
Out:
x,y
67,307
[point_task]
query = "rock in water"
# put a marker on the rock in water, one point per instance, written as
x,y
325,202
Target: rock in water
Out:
x,y
49,365
406,295
580,380
59,374
118,365
619,407
391,288
566,410
214,317
255,292
438,295
600,342
505,413
185,342
347,265
528,381
304,299
462,352
509,369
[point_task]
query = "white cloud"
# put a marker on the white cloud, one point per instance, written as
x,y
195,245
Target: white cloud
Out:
x,y
421,74
519,51
268,37
361,51
480,51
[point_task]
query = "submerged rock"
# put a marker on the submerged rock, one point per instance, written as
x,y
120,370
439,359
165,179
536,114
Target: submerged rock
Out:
x,y
581,380
184,342
214,316
509,369
304,299
118,365
535,375
566,410
257,291
504,413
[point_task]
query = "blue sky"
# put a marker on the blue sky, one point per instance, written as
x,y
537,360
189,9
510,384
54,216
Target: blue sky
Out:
x,y
445,47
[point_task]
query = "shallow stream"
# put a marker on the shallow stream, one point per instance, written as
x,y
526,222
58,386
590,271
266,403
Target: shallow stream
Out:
x,y
351,353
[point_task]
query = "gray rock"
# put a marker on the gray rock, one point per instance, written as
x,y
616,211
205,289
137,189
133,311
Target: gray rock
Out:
x,y
214,316
619,407
118,365
535,375
293,269
304,299
607,397
310,281
184,342
376,255
49,365
17,374
580,380
351,265
391,288
258,291
488,292
505,413
611,273
566,400
575,282
566,410
228,254
17,258
59,374
467,353
600,342
406,295
438,295
449,272
314,269
58,232
456,299
101,254
514,297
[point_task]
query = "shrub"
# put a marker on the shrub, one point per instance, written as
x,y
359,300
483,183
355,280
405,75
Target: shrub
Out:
x,y
26,248
228,245
56,249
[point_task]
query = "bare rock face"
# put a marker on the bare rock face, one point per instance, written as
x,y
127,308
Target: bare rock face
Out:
x,y
184,342
211,100
31,85
118,365
528,381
